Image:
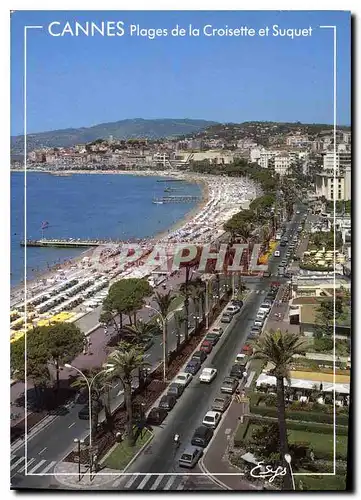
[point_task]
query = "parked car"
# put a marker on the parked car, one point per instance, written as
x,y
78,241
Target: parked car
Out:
x,y
211,419
226,318
190,457
202,435
207,375
206,346
201,355
229,385
266,274
237,370
261,315
241,358
167,402
277,253
247,349
212,337
193,366
175,390
183,378
83,414
259,322
237,302
233,309
156,416
221,403
218,330
256,329
265,306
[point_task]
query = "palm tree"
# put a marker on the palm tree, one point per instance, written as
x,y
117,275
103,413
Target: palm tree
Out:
x,y
139,333
126,359
278,348
180,319
164,302
196,290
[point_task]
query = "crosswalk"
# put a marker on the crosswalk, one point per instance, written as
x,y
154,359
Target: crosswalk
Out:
x,y
34,465
164,482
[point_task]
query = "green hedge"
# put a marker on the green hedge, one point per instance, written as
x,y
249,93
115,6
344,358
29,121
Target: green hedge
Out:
x,y
314,427
326,418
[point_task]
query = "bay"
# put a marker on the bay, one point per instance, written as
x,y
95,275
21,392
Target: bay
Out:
x,y
97,206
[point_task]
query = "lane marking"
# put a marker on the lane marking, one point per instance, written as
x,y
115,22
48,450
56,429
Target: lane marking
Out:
x,y
48,467
26,464
157,482
71,425
144,481
21,459
180,486
36,466
40,452
169,482
117,481
131,481
116,385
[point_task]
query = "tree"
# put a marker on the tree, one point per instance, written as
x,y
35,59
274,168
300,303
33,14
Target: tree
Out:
x,y
138,334
126,297
278,348
179,319
196,293
164,302
126,359
64,341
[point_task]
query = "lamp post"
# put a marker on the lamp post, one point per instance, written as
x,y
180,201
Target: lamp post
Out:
x,y
164,320
79,442
288,459
89,384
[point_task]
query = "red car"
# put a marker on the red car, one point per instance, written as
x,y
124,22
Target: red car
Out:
x,y
247,349
206,346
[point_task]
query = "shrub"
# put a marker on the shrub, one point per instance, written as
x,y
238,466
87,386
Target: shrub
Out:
x,y
314,427
304,416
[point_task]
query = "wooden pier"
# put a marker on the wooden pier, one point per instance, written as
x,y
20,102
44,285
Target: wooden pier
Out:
x,y
176,199
59,243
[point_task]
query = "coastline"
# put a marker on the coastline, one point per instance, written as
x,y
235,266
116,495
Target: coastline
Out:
x,y
44,274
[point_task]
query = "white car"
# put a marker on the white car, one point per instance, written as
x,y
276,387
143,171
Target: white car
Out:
x,y
240,358
277,253
183,378
207,375
217,329
211,419
233,309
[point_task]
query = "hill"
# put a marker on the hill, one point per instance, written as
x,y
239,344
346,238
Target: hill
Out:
x,y
123,129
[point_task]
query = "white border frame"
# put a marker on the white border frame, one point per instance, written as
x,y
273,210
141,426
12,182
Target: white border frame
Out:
x,y
25,282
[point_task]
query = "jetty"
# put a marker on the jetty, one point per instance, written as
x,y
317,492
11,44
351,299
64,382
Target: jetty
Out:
x,y
65,243
170,180
176,199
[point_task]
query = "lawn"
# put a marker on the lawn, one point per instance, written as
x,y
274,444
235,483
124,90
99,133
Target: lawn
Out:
x,y
320,483
322,443
122,454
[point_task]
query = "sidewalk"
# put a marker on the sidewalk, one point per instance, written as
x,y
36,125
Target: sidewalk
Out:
x,y
66,473
215,459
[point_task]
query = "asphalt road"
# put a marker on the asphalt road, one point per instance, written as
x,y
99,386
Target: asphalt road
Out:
x,y
197,398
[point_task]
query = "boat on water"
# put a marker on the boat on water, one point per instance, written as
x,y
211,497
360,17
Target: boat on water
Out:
x,y
157,202
62,174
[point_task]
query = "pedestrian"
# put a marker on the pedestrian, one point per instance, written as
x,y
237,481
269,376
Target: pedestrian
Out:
x,y
245,375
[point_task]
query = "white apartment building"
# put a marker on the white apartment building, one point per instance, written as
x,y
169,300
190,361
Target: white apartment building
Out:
x,y
282,163
296,140
342,160
266,158
346,137
338,187
255,155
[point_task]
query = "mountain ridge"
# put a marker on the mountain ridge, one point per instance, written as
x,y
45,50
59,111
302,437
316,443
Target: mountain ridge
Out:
x,y
121,129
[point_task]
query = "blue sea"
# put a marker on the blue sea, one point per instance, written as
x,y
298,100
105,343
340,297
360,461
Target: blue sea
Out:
x,y
97,206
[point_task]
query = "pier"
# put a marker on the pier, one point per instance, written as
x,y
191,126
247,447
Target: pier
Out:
x,y
176,199
59,243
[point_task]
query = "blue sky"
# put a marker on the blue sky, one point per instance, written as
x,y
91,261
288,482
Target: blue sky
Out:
x,y
83,81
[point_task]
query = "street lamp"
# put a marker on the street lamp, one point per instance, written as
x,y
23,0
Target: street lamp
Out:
x,y
288,459
89,383
79,442
164,320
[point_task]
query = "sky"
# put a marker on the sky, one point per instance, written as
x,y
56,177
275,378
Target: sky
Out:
x,y
83,81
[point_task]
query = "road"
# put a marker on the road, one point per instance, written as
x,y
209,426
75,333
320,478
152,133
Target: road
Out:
x,y
52,443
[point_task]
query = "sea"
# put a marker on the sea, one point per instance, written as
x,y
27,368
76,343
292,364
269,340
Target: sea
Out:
x,y
96,206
